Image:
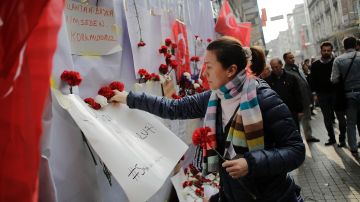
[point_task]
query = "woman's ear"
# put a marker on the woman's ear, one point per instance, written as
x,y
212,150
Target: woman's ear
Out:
x,y
231,71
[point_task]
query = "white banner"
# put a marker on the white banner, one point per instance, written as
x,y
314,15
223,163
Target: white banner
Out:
x,y
92,30
138,149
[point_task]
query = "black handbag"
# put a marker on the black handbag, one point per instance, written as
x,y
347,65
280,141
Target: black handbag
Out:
x,y
340,100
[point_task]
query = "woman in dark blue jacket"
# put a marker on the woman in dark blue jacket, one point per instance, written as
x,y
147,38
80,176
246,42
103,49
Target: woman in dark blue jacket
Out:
x,y
249,124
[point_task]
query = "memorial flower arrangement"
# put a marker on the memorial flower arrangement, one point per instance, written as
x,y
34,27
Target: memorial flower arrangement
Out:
x,y
168,51
189,85
104,94
73,78
195,184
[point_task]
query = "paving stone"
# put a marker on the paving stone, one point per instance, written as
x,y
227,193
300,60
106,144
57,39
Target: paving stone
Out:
x,y
328,173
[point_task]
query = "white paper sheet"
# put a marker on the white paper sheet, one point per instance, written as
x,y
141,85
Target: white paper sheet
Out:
x,y
91,29
141,24
139,150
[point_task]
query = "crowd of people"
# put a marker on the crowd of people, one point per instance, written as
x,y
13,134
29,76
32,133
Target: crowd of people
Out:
x,y
332,83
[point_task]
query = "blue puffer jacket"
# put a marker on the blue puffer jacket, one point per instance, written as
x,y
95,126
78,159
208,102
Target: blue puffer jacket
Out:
x,y
284,149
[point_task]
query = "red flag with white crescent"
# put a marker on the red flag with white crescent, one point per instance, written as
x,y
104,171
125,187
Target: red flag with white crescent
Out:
x,y
182,51
227,25
226,21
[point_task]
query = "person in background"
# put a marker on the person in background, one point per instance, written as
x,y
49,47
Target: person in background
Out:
x,y
325,91
266,72
348,64
286,86
249,123
306,95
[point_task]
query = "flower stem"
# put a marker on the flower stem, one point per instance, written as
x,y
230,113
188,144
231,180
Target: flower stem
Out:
x,y
137,18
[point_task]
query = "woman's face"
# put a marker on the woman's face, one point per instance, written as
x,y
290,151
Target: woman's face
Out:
x,y
217,76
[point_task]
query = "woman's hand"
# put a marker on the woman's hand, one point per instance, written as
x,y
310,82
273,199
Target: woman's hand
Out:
x,y
119,97
236,168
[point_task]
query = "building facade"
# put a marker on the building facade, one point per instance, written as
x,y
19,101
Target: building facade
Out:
x,y
332,20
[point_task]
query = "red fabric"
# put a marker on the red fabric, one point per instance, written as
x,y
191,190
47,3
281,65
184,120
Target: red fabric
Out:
x,y
226,25
226,21
19,19
21,110
205,82
244,30
182,50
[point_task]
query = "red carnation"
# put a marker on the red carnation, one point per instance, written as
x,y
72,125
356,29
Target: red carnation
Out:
x,y
141,44
167,55
106,91
116,85
147,77
198,192
168,42
199,136
142,72
163,49
209,40
175,96
72,78
163,69
173,45
89,100
195,59
200,89
167,60
155,77
96,106
173,64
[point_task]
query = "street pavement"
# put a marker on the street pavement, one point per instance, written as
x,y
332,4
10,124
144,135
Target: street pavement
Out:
x,y
329,173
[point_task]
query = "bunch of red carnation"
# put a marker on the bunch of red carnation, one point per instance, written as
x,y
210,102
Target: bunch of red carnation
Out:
x,y
199,136
168,50
72,78
107,92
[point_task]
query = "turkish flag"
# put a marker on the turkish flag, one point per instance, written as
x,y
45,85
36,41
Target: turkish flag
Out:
x,y
182,50
32,39
226,21
244,33
226,25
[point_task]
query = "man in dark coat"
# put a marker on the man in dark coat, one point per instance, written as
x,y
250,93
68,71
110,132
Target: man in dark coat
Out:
x,y
286,87
306,95
325,90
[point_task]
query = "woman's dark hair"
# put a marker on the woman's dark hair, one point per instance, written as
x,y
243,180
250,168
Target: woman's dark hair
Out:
x,y
228,51
258,60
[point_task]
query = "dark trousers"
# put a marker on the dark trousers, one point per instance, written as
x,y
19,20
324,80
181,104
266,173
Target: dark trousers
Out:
x,y
296,119
327,103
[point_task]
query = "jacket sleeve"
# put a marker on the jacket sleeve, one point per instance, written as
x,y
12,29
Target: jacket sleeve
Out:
x,y
297,93
335,73
287,150
185,108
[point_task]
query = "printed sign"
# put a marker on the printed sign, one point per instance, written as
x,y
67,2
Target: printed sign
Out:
x,y
92,30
